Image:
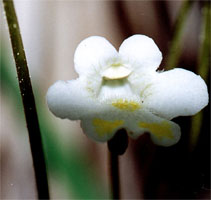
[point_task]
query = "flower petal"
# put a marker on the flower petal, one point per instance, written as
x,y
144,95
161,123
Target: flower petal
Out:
x,y
141,52
71,99
163,132
100,129
103,125
94,54
177,92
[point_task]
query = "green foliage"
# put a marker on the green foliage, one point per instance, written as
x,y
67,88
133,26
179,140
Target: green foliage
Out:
x,y
203,69
175,46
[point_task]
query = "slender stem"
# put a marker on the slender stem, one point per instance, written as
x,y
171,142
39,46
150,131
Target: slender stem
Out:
x,y
28,101
114,174
175,50
117,146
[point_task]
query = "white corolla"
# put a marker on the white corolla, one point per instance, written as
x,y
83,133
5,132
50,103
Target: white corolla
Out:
x,y
122,89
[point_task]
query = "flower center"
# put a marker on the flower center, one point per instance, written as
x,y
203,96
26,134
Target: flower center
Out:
x,y
116,71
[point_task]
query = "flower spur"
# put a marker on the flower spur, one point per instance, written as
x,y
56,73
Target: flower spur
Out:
x,y
123,90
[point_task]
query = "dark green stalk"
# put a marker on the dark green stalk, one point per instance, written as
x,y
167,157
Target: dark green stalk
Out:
x,y
114,175
28,101
203,68
175,48
117,146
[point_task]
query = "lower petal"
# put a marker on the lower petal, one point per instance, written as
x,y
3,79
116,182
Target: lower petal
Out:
x,y
103,126
163,132
101,129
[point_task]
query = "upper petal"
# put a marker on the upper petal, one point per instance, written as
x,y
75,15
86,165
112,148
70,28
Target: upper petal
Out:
x,y
177,92
141,52
94,54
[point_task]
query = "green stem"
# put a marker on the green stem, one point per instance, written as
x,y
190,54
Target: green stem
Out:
x,y
175,49
117,146
203,69
28,101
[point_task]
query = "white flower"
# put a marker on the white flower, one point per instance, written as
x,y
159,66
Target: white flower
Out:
x,y
123,90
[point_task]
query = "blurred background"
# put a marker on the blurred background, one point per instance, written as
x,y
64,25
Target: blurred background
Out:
x,y
78,167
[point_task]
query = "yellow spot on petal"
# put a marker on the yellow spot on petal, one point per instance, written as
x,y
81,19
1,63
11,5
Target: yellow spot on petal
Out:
x,y
126,105
116,64
160,130
104,127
